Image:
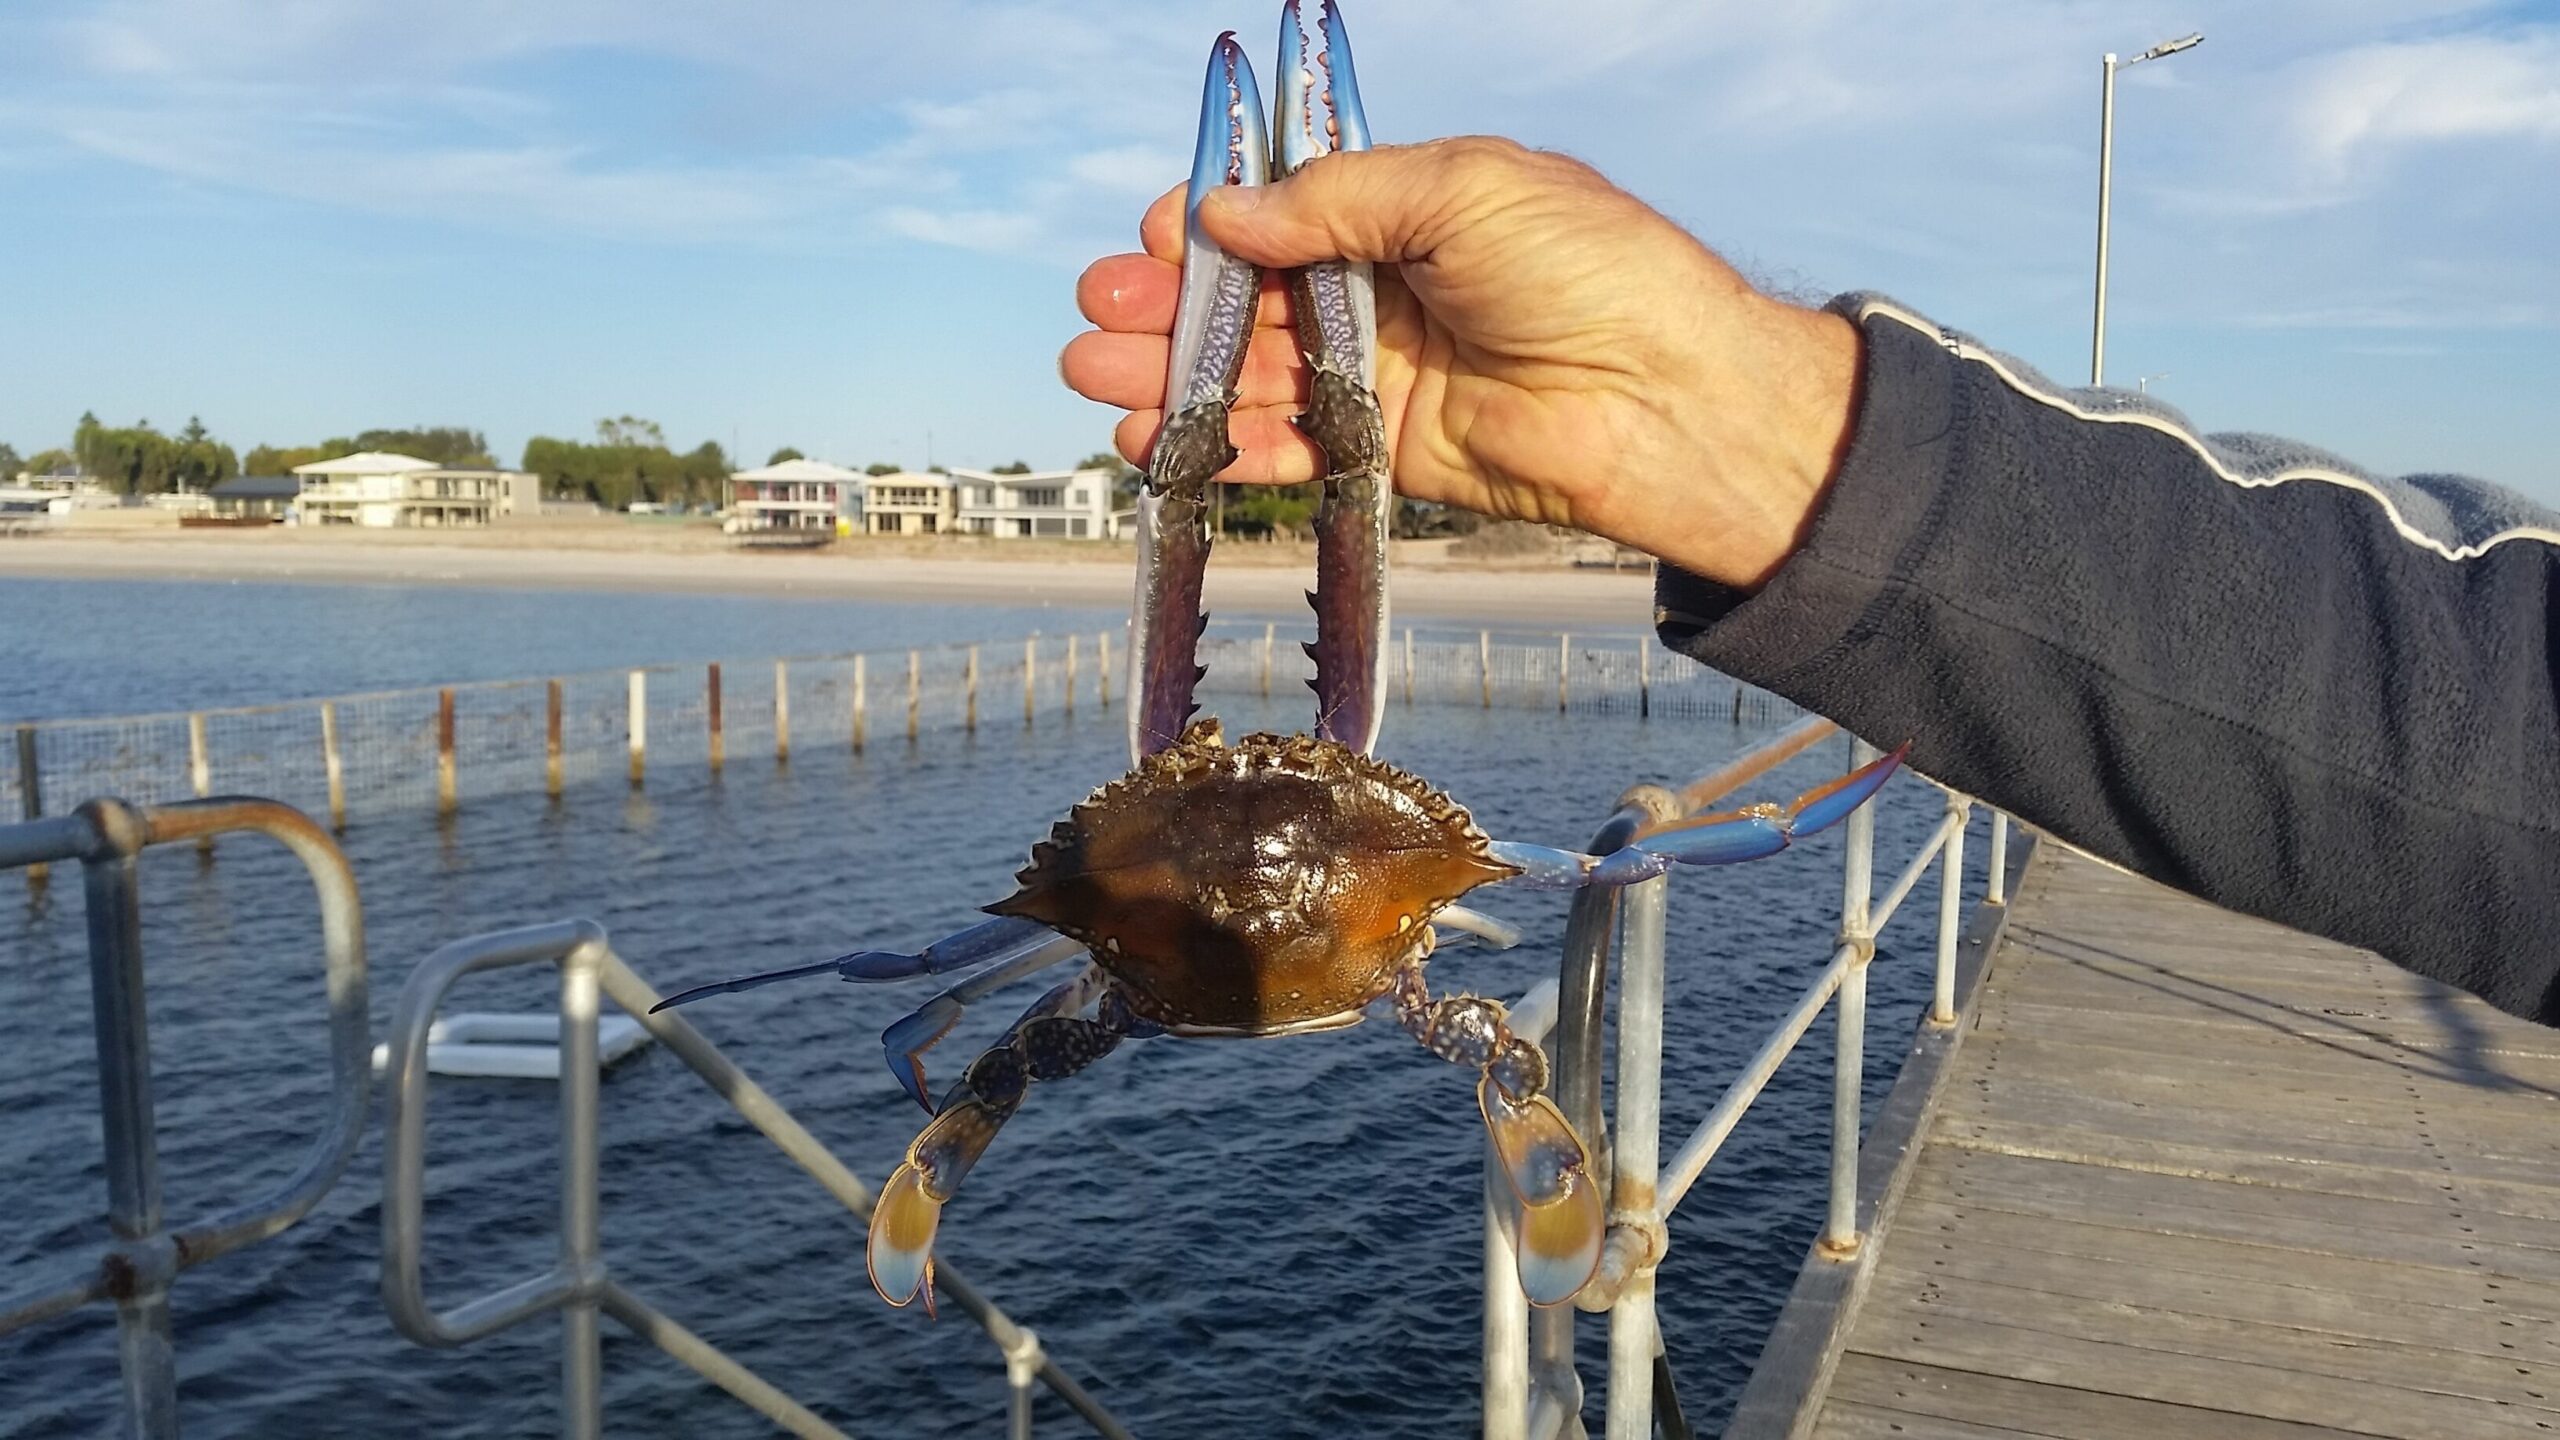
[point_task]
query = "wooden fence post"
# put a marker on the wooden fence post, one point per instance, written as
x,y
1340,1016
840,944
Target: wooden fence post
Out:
x,y
199,770
553,771
31,797
1030,676
1564,667
1071,675
1102,666
915,691
638,725
445,791
331,766
1484,665
781,713
971,722
861,704
711,698
1268,632
1408,666
1644,677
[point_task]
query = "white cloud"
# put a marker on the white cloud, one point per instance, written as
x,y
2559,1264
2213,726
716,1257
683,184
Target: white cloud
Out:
x,y
2374,98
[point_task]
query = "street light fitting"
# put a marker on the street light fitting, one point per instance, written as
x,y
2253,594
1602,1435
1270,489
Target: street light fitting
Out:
x,y
2169,47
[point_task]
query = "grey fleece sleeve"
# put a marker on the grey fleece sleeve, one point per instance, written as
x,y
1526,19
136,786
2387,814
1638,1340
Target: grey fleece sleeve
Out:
x,y
2234,664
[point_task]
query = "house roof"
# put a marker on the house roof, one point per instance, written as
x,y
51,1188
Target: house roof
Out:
x,y
800,470
257,487
1034,477
367,462
909,477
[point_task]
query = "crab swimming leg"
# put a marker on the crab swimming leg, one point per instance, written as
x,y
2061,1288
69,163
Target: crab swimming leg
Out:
x,y
1049,1042
1753,832
1563,1217
1211,327
1337,319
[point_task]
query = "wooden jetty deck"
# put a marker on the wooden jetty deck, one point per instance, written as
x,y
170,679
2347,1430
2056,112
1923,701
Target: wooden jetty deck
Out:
x,y
2183,1173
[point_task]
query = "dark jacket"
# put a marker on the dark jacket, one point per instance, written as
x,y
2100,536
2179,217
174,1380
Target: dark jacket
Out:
x,y
2234,664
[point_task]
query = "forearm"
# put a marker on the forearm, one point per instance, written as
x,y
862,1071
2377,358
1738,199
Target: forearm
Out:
x,y
2251,674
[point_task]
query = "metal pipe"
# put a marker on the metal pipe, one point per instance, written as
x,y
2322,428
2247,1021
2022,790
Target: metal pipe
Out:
x,y
1904,883
1857,936
1691,1160
1636,1155
1751,764
581,1238
1942,998
111,882
2106,182
1507,1398
1996,891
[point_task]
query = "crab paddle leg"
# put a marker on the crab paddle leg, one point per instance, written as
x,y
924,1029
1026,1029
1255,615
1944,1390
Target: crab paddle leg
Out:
x,y
1754,832
1049,1042
1562,1216
1337,320
1210,329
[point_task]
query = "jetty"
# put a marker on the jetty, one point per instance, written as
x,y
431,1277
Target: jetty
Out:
x,y
2185,1173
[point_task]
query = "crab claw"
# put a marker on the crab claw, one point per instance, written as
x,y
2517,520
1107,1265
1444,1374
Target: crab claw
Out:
x,y
1759,831
908,1039
903,1219
1562,1220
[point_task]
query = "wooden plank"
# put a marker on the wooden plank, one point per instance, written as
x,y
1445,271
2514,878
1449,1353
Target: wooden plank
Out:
x,y
2501,1304
2273,1044
2298,1070
1952,1246
1905,1387
1859,1422
2206,1382
1902,1297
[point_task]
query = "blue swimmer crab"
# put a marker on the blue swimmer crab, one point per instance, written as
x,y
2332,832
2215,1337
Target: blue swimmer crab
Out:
x,y
1285,883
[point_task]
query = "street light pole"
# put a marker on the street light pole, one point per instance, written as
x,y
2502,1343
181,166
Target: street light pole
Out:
x,y
2106,185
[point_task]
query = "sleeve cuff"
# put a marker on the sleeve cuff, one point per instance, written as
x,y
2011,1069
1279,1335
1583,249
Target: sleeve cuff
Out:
x,y
1879,516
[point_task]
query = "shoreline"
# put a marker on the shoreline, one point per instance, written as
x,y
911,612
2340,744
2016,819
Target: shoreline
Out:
x,y
1263,584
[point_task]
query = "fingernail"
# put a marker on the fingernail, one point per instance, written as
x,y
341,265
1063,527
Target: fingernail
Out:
x,y
1236,199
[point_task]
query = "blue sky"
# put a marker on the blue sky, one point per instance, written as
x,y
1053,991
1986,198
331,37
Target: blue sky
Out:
x,y
842,225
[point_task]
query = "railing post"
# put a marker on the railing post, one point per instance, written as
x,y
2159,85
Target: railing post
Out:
x,y
861,704
1071,673
554,772
1636,1153
1942,1002
1644,677
1102,666
1408,666
199,770
31,798
447,793
112,884
1022,1361
972,722
711,699
1484,665
638,725
1030,678
915,690
1564,667
1997,892
581,1231
1840,1237
781,713
1269,632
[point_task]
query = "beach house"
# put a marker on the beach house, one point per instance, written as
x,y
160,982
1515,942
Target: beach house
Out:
x,y
796,495
907,502
1060,504
381,490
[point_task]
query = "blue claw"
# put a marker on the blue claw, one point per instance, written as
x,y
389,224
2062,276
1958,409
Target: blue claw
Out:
x,y
908,1039
1234,148
1350,126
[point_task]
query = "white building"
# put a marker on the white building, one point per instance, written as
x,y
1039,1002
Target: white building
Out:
x,y
907,503
1062,504
797,495
381,490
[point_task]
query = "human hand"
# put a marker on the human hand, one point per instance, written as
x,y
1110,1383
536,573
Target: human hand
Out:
x,y
1549,349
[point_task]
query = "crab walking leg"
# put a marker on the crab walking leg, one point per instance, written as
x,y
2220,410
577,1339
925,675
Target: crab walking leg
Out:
x,y
1494,933
922,1028
1563,1217
1337,321
1001,939
1049,1042
1754,832
1210,329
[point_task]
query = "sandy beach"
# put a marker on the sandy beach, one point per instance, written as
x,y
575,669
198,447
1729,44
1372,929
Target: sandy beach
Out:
x,y
1243,578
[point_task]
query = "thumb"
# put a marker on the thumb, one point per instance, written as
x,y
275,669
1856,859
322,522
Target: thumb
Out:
x,y
1386,205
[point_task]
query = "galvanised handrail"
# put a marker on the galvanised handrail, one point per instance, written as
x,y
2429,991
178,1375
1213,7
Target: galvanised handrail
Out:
x,y
580,1285
108,837
1530,1386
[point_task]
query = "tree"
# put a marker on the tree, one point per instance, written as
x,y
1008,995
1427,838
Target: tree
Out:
x,y
10,464
1124,476
139,460
630,430
45,462
883,467
451,446
1018,467
629,462
785,453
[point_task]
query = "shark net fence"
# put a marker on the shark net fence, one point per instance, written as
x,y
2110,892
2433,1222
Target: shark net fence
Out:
x,y
434,748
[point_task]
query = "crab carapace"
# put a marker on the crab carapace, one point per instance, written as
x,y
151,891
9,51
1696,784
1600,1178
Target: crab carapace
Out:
x,y
1284,883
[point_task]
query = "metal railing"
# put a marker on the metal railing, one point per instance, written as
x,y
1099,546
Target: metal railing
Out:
x,y
581,1286
1530,1386
108,837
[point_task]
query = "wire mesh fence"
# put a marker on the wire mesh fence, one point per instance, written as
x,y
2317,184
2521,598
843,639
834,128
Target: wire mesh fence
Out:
x,y
430,749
